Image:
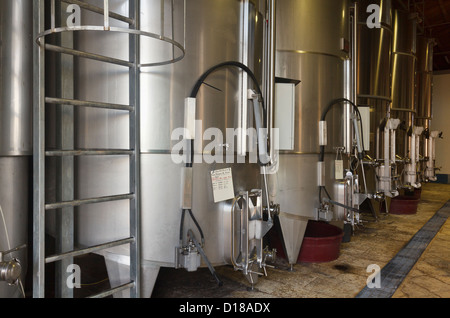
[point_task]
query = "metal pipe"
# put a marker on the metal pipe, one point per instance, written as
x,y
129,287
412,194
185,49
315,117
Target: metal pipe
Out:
x,y
245,233
88,250
263,151
387,166
269,69
39,153
114,290
43,34
233,261
90,152
74,203
91,56
73,102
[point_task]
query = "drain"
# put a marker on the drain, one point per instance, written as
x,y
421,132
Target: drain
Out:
x,y
396,270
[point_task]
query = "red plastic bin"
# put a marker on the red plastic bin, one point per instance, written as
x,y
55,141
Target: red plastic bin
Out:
x,y
404,204
321,243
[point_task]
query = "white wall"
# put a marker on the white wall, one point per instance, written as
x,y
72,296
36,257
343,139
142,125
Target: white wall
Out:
x,y
441,120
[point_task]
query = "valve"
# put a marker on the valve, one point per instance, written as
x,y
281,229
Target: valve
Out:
x,y
10,271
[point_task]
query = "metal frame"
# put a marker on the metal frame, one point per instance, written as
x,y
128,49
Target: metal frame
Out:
x,y
40,153
39,258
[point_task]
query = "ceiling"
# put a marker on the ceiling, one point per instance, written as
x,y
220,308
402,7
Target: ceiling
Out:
x,y
434,21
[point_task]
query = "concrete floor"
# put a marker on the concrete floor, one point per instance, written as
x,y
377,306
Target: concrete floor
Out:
x,y
377,242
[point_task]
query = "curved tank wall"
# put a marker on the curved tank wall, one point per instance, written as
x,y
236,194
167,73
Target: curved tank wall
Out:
x,y
403,107
15,131
374,48
403,71
308,49
425,47
98,129
424,95
215,33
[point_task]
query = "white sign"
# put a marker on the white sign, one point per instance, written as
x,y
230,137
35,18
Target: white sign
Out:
x,y
339,169
222,182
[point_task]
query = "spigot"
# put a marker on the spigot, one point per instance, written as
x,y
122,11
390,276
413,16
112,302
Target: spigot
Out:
x,y
270,255
10,271
274,209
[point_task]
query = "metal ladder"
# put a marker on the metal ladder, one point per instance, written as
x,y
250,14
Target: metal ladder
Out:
x,y
66,105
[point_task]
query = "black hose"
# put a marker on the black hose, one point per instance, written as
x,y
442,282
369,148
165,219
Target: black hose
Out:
x,y
324,114
202,78
194,93
322,148
198,226
183,213
182,225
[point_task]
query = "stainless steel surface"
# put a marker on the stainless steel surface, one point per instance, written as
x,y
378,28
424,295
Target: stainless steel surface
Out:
x,y
10,272
14,205
16,58
309,35
404,107
316,59
424,85
247,250
39,154
374,54
293,228
15,81
424,94
269,58
374,51
373,68
215,31
131,139
218,22
403,61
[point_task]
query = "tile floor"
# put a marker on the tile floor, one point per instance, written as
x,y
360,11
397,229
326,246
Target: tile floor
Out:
x,y
377,242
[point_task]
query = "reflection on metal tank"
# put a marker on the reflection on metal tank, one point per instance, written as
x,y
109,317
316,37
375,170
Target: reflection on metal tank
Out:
x,y
425,47
403,105
216,31
15,139
373,54
309,35
374,47
424,94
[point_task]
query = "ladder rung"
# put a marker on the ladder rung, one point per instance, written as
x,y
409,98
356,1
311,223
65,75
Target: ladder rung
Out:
x,y
114,290
99,10
89,152
68,204
92,249
74,102
87,55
